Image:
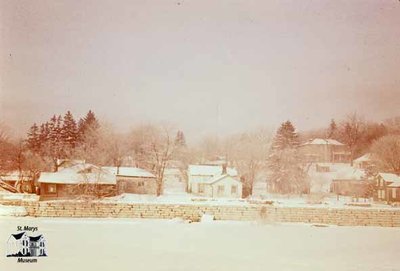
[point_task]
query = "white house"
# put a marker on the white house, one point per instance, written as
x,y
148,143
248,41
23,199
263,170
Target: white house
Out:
x,y
18,244
214,181
223,186
37,246
174,180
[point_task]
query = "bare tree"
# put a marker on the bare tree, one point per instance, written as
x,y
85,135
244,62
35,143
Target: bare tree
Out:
x,y
102,146
153,147
351,133
386,154
248,153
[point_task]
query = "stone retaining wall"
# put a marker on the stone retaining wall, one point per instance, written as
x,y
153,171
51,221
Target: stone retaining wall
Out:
x,y
247,212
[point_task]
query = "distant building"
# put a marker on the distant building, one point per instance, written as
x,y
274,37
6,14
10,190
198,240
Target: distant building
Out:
x,y
338,178
133,180
325,151
26,180
77,180
214,181
175,180
388,187
363,162
68,163
223,186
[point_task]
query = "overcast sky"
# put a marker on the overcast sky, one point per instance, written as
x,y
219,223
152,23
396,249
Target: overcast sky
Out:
x,y
208,66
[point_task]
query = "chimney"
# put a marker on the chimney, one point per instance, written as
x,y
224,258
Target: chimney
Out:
x,y
224,169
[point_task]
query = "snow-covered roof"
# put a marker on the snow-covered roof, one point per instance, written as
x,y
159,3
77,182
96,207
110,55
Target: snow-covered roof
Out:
x,y
394,184
321,141
337,171
35,238
172,171
78,168
15,176
18,236
70,177
219,178
349,173
365,158
390,177
129,172
205,170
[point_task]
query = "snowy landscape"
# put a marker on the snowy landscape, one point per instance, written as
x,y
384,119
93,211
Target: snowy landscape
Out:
x,y
77,244
199,135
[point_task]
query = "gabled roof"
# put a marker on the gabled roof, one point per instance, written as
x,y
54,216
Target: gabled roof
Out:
x,y
365,158
35,238
18,235
219,178
15,176
129,172
321,141
394,184
79,168
390,177
172,171
70,177
205,170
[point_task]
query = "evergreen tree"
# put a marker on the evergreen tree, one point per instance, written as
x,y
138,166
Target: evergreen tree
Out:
x,y
286,137
44,134
90,120
332,130
52,130
33,140
180,140
285,164
88,123
69,131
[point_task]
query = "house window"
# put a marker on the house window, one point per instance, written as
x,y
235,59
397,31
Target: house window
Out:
x,y
233,189
394,193
322,168
140,184
51,188
201,188
221,189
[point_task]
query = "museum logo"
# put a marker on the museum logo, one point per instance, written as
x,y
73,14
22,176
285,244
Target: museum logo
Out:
x,y
26,245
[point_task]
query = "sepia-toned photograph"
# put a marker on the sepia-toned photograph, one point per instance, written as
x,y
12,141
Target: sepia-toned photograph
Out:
x,y
176,135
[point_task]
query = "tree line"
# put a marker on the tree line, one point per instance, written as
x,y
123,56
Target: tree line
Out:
x,y
258,154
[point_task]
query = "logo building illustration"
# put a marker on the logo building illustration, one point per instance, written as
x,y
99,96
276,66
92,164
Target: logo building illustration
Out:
x,y
23,245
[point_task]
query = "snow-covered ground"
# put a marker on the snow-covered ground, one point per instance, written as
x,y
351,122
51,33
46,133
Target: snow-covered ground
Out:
x,y
181,198
12,211
126,244
316,200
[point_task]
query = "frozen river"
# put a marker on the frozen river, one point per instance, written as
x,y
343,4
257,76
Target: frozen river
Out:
x,y
121,244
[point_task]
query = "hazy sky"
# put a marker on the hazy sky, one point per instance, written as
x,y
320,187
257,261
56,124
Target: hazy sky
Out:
x,y
205,65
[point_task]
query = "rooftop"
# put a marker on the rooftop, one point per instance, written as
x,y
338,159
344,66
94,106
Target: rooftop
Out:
x,y
129,172
206,170
18,235
70,177
321,141
218,178
390,177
